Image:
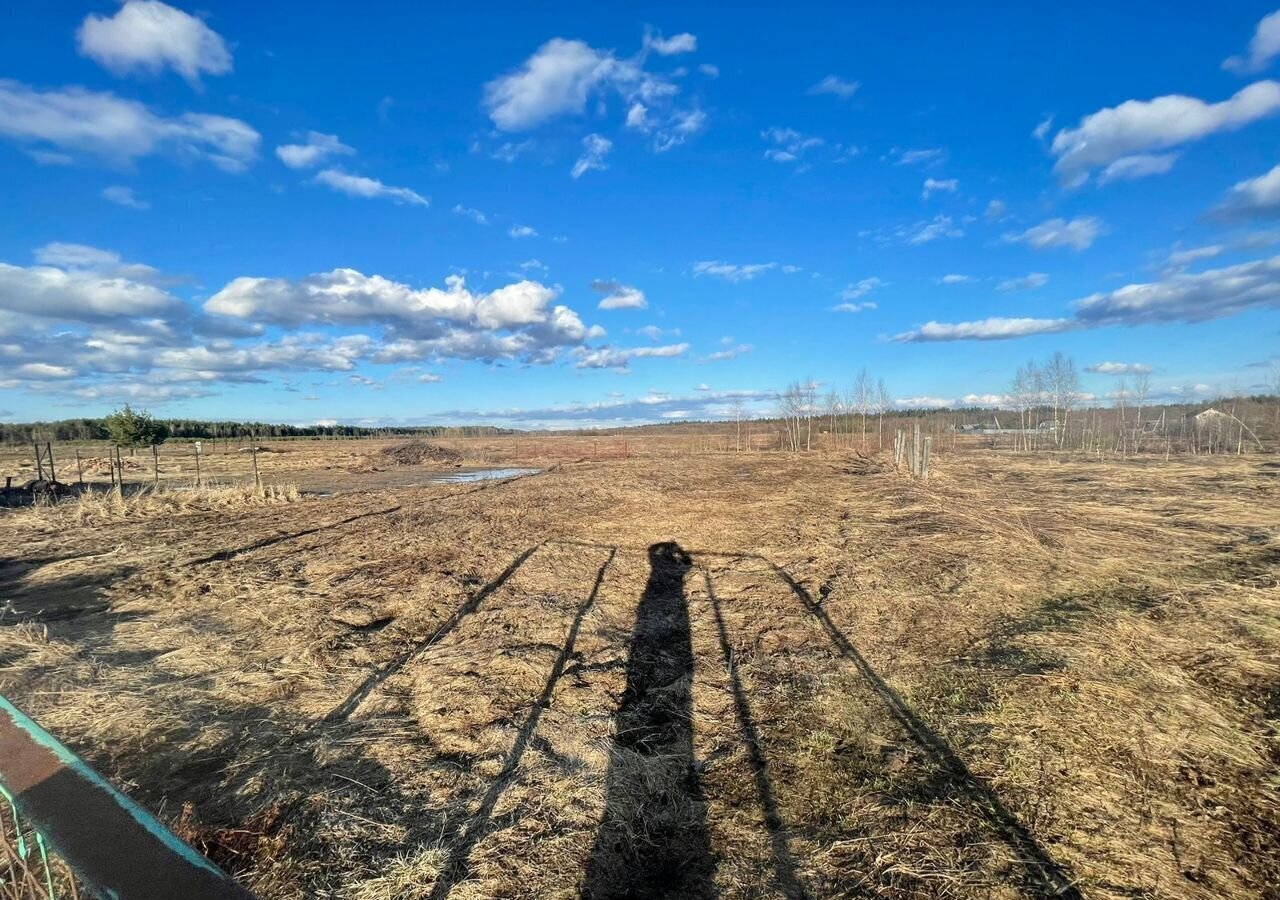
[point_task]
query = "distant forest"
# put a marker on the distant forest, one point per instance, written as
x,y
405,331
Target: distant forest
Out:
x,y
193,429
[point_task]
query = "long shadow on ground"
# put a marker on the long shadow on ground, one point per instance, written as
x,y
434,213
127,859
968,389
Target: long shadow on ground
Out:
x,y
653,841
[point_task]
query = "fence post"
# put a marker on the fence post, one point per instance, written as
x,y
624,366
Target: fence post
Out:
x,y
79,467
924,462
48,451
155,463
39,460
916,451
199,483
256,479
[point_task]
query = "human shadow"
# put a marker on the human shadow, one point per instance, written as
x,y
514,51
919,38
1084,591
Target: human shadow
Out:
x,y
653,840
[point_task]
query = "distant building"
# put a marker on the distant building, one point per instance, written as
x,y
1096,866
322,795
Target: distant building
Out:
x,y
1211,417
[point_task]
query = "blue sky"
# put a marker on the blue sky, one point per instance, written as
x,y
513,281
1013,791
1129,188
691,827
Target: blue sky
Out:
x,y
547,214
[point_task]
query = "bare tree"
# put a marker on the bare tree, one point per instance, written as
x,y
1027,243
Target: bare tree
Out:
x,y
1141,391
833,406
790,403
737,410
1063,384
883,402
862,394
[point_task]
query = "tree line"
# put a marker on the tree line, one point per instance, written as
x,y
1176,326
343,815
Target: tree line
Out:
x,y
96,429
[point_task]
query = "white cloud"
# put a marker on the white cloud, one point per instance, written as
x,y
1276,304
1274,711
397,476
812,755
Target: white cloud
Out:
x,y
518,321
1078,233
1138,126
77,283
430,378
149,35
562,75
1178,297
124,196
924,232
101,124
522,231
709,70
619,296
637,116
677,43
955,279
1254,198
1183,297
1131,168
474,215
854,307
360,186
1115,368
1263,48
926,157
861,289
729,349
731,271
45,371
612,358
833,84
1026,282
1180,259
993,329
317,149
789,145
594,149
1041,131
996,210
934,185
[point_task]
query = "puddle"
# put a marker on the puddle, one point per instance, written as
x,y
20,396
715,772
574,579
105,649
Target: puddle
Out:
x,y
480,475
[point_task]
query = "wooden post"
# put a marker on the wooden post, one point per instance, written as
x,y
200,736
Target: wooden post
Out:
x,y
79,467
48,451
199,482
916,451
119,470
924,462
155,463
256,479
39,460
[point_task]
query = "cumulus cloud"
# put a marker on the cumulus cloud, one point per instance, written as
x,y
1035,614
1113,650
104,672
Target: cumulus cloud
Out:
x,y
729,349
614,358
1177,297
1115,368
677,43
149,36
594,149
1263,48
360,186
563,75
924,232
1078,233
124,196
833,84
731,271
935,185
1180,259
1026,282
316,149
101,124
1140,126
1254,198
954,279
518,321
522,231
77,283
619,296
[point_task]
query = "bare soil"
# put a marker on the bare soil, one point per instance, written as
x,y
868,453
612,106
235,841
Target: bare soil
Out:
x,y
698,675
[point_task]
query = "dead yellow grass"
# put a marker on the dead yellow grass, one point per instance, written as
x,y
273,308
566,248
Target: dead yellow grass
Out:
x,y
1021,675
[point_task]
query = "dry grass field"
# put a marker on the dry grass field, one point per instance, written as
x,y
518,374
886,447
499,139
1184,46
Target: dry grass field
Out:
x,y
737,675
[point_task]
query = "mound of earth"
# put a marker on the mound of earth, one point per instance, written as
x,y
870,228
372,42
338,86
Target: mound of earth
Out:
x,y
416,453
